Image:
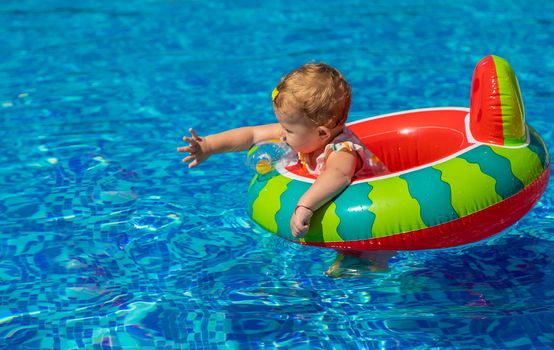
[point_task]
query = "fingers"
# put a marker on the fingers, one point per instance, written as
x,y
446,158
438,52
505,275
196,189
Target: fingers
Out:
x,y
299,232
195,135
188,158
192,159
298,229
193,148
300,221
190,140
295,232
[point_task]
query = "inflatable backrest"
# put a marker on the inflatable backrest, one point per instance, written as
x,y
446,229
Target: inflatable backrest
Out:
x,y
497,115
414,138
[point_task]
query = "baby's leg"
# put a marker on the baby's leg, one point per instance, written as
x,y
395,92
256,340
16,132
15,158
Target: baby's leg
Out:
x,y
352,263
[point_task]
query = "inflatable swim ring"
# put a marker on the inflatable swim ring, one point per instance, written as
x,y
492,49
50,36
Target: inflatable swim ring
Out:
x,y
458,176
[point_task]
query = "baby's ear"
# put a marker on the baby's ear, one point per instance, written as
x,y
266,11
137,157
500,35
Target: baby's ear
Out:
x,y
324,133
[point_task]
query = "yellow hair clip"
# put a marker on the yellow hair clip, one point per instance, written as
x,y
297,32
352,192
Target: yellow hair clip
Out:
x,y
274,94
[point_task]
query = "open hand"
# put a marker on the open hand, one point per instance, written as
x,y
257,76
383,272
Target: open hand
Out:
x,y
300,221
198,149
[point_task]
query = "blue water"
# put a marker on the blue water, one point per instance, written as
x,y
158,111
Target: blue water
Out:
x,y
109,241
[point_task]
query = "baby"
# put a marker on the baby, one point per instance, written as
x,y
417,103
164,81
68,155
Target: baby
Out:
x,y
311,104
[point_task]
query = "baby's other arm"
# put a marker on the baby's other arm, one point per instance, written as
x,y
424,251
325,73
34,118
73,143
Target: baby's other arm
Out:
x,y
339,170
234,140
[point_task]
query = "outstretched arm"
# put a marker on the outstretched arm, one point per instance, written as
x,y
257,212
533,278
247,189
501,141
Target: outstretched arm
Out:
x,y
339,170
234,140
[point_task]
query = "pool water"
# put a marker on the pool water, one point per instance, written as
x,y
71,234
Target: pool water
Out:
x,y
109,242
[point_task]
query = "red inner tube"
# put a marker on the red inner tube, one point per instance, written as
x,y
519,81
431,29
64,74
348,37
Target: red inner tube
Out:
x,y
410,139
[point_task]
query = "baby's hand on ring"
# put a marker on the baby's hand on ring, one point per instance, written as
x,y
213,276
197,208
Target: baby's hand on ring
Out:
x,y
300,221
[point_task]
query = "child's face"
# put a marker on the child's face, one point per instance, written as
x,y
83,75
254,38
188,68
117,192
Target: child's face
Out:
x,y
300,133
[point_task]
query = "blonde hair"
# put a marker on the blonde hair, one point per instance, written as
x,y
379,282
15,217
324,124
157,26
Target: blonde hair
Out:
x,y
318,90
